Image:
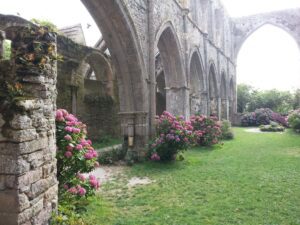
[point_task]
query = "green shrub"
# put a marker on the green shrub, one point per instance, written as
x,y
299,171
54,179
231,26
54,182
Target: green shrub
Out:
x,y
272,127
112,156
226,130
294,120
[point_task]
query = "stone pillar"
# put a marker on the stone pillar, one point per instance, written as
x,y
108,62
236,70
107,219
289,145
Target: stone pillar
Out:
x,y
224,109
178,101
135,131
204,104
28,185
219,108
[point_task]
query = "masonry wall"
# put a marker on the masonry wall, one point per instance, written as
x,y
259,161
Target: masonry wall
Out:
x,y
28,185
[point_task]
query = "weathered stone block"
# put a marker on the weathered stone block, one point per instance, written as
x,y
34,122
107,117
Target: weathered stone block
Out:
x,y
22,135
36,159
32,146
8,164
21,122
29,177
30,105
25,216
41,186
23,202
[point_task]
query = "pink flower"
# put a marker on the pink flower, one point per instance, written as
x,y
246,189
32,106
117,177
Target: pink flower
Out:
x,y
68,129
88,156
80,177
73,190
94,183
79,147
76,130
81,191
155,157
66,187
68,137
69,148
71,118
68,154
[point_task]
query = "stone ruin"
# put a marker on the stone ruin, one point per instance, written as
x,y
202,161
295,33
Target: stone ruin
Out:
x,y
173,55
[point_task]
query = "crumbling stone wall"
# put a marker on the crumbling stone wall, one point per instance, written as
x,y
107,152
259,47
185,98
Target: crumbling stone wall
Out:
x,y
94,101
28,185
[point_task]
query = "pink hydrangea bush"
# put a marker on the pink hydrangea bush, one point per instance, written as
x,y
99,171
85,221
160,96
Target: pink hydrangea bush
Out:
x,y
75,155
174,135
207,130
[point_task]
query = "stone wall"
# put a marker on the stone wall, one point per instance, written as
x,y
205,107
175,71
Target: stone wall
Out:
x,y
28,185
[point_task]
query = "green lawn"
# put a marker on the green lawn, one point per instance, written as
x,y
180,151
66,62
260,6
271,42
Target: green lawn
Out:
x,y
254,179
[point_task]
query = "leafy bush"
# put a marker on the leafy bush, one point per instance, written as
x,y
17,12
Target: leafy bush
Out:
x,y
249,119
207,130
262,116
174,135
294,120
226,130
272,127
75,155
112,156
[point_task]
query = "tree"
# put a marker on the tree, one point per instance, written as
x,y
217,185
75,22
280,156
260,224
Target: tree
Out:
x,y
244,94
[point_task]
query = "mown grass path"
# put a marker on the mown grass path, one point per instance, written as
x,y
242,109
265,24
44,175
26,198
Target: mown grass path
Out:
x,y
252,180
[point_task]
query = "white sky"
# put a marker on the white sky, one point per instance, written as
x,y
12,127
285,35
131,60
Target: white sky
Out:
x,y
60,12
268,59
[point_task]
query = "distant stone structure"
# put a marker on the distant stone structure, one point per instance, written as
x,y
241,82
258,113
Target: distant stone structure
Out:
x,y
170,55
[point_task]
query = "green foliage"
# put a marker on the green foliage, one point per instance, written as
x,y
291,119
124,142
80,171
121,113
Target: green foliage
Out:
x,y
112,156
7,50
45,23
244,94
226,130
250,99
294,120
272,127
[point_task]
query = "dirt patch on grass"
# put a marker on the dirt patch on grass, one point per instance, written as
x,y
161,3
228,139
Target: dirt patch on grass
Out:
x,y
293,152
134,181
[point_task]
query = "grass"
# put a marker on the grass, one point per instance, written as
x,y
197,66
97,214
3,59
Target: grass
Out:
x,y
106,142
252,180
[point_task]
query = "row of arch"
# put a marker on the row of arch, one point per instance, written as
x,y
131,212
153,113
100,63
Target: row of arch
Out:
x,y
206,95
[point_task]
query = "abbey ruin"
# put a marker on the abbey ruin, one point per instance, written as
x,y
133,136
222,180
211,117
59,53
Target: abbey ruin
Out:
x,y
174,55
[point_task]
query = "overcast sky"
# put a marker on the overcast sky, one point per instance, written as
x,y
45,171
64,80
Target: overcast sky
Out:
x,y
269,59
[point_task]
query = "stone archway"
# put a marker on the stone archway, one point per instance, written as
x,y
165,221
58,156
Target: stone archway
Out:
x,y
198,97
224,97
214,108
176,86
121,38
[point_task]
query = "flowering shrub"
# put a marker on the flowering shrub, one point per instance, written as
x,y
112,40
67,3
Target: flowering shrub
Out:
x,y
207,130
294,120
174,135
262,116
75,155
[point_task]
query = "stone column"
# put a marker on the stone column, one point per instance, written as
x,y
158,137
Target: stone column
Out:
x,y
224,108
135,132
178,101
28,185
204,104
